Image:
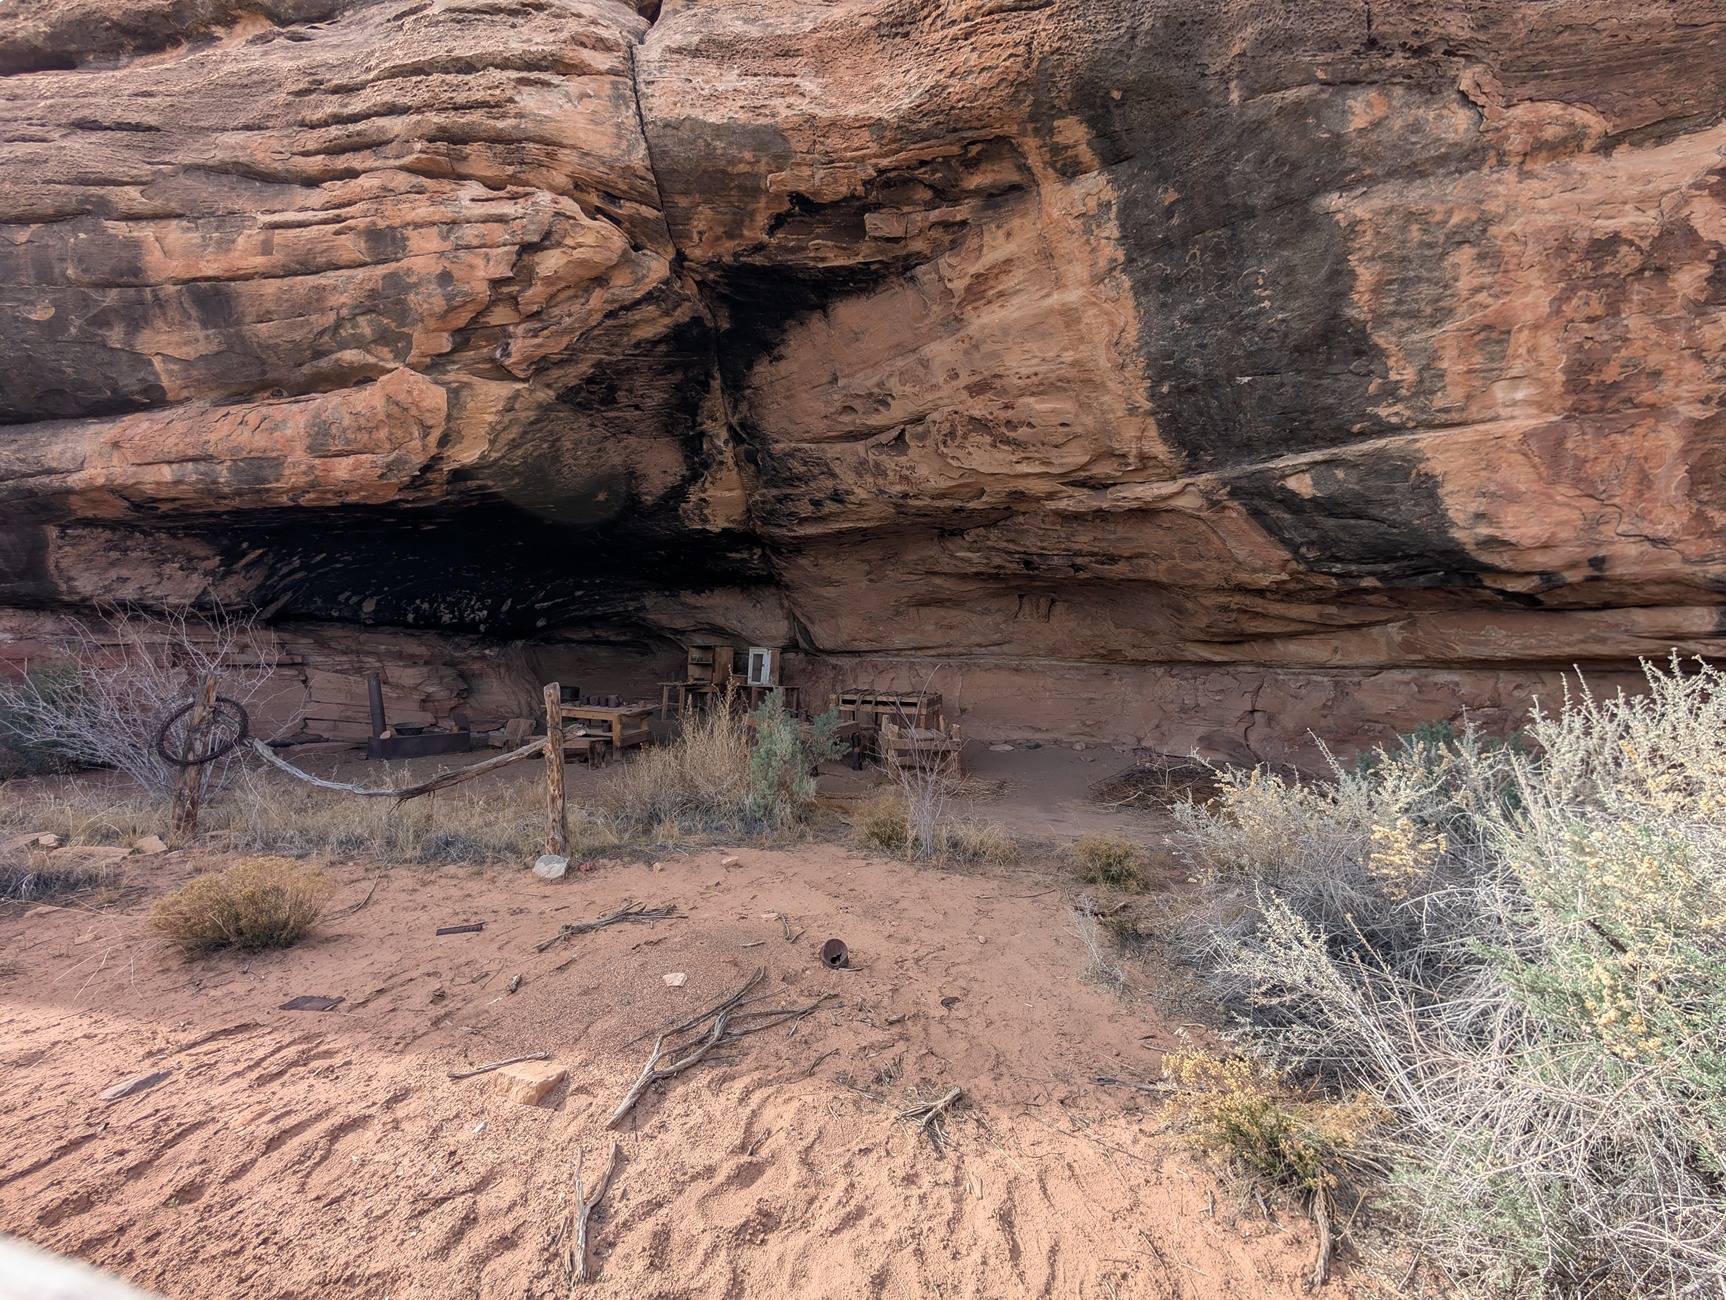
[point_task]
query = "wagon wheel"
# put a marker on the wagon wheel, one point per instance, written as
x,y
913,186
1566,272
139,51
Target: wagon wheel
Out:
x,y
229,726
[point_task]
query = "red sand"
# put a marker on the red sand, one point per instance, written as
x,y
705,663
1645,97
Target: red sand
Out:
x,y
306,1154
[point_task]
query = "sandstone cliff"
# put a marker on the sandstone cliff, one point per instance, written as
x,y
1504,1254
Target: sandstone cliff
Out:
x,y
1187,372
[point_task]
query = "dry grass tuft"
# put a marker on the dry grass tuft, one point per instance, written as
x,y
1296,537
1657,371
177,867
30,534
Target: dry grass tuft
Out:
x,y
1101,964
698,783
886,823
502,823
30,877
882,824
79,812
258,903
1108,860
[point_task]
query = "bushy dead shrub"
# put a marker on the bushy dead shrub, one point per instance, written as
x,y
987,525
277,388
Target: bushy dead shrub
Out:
x,y
257,903
1108,860
1520,954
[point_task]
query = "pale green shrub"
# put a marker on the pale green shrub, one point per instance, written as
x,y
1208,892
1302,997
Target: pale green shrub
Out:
x,y
1521,955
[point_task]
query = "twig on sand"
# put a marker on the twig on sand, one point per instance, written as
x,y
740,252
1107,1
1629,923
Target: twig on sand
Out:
x,y
575,1226
349,911
628,912
1156,1085
928,1116
665,1062
498,1065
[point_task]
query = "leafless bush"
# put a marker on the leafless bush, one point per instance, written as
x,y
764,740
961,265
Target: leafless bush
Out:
x,y
926,786
99,702
1520,955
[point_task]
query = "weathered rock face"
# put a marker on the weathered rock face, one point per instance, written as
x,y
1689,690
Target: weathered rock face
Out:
x,y
1295,365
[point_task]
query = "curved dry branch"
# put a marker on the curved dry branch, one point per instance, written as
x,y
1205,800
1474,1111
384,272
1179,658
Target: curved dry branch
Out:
x,y
406,792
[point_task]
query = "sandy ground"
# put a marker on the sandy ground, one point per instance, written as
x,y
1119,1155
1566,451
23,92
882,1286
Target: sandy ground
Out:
x,y
324,1154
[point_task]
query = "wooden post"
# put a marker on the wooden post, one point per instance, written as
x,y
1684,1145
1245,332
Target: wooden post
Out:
x,y
183,825
556,817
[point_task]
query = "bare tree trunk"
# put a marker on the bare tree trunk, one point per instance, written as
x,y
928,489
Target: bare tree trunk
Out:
x,y
556,817
190,792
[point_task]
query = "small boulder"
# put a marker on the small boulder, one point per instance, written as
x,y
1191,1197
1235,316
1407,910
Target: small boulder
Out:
x,y
1033,744
551,866
150,844
1002,749
731,861
44,841
528,1083
675,979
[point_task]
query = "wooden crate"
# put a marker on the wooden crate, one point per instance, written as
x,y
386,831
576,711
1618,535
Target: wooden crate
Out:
x,y
927,747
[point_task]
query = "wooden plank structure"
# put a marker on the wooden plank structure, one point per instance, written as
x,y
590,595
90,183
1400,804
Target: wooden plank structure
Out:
x,y
925,747
870,709
710,670
602,729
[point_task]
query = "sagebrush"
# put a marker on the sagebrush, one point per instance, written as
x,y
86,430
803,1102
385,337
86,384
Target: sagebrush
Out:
x,y
1519,952
254,904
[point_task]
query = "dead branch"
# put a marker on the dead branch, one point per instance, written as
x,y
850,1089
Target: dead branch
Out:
x,y
406,792
575,1230
629,912
1157,1085
928,1116
665,1063
1321,1216
498,1065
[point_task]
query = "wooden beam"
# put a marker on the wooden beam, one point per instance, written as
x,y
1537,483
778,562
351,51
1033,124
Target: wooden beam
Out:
x,y
406,792
556,813
190,793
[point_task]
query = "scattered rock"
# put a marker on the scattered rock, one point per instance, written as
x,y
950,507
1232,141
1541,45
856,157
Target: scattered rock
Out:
x,y
1079,747
45,841
137,1083
311,1002
730,862
91,857
950,1002
530,1082
676,979
150,844
1002,749
1033,744
551,866
513,985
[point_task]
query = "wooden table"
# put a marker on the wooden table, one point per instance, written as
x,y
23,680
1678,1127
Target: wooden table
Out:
x,y
628,722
